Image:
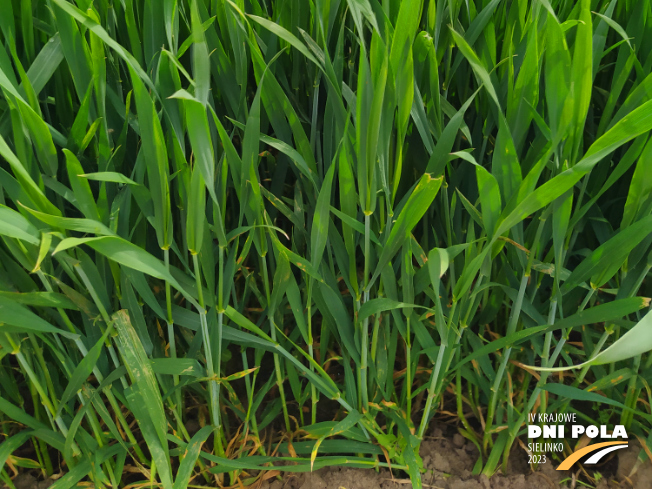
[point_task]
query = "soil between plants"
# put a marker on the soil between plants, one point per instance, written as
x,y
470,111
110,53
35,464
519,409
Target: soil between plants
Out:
x,y
449,461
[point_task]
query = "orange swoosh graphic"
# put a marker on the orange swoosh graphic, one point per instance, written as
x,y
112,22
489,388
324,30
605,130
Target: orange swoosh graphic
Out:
x,y
568,463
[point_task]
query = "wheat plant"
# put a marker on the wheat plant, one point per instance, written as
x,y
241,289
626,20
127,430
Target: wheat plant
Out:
x,y
239,237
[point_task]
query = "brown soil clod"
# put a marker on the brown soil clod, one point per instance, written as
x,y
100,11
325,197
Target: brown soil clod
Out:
x,y
449,461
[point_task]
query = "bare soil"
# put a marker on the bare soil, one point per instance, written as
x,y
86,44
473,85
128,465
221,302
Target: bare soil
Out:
x,y
449,463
